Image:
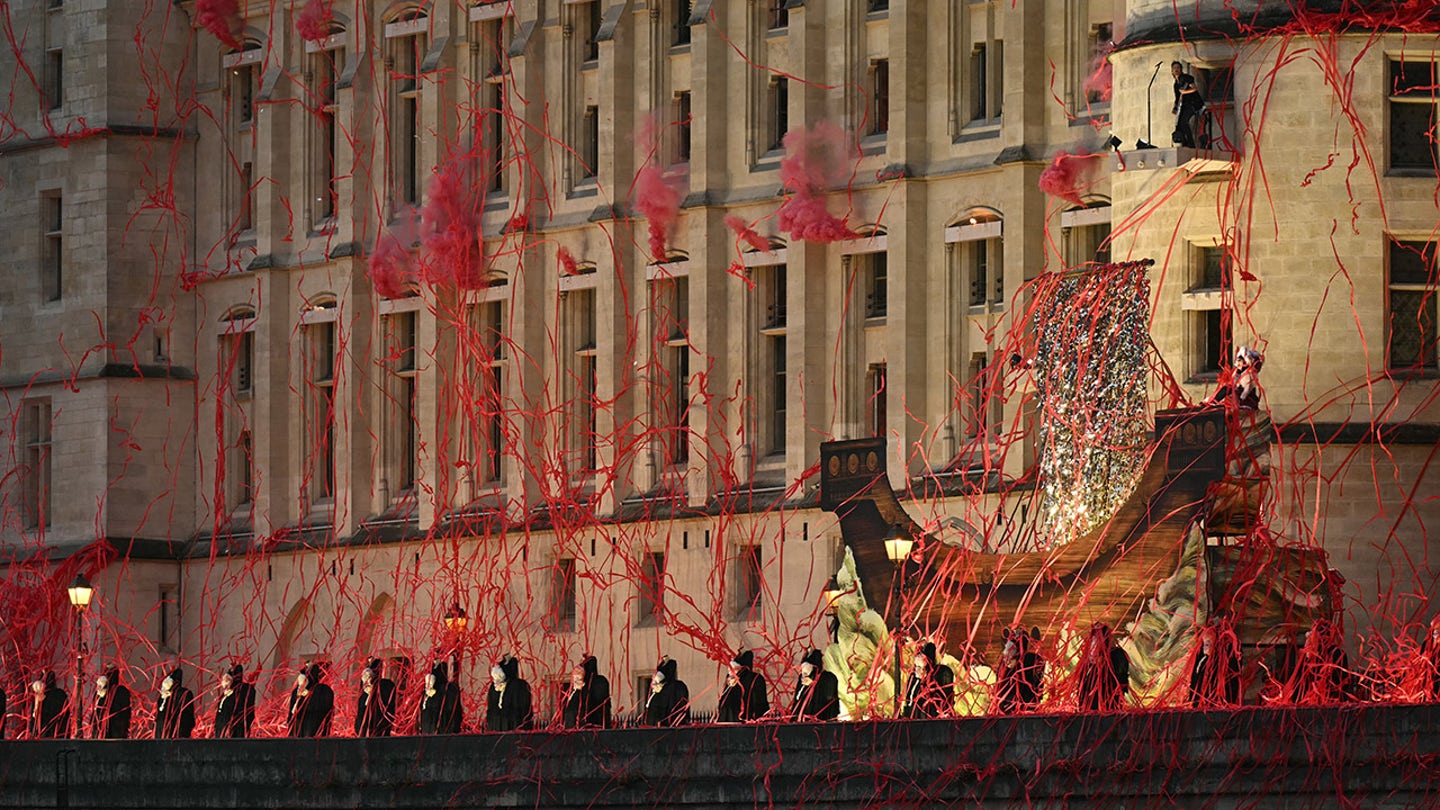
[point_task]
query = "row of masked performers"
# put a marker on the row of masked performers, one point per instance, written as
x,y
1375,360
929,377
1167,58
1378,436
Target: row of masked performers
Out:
x,y
1312,669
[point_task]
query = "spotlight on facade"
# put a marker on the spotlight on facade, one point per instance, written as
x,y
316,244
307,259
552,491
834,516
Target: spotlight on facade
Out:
x,y
1144,144
833,592
1114,142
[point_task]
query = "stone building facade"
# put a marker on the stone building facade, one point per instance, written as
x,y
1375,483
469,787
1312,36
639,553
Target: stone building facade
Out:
x,y
310,469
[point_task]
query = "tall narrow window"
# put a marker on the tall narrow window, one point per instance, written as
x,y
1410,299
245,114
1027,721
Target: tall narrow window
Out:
x,y
682,22
682,127
880,81
52,259
1085,234
1206,300
749,583
877,284
493,37
590,143
878,400
562,594
1099,43
651,597
587,26
1413,286
326,135
244,469
672,319
979,83
54,78
403,433
583,412
777,15
779,112
489,373
407,53
1414,91
247,197
244,85
320,412
770,388
36,427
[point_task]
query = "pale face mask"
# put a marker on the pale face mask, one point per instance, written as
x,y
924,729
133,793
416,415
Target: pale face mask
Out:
x,y
497,675
167,686
101,683
657,679
38,687
920,666
226,682
301,682
807,670
430,683
367,676
577,678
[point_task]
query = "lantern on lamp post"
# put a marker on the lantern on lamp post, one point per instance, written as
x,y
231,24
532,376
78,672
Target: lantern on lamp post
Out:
x,y
898,545
80,592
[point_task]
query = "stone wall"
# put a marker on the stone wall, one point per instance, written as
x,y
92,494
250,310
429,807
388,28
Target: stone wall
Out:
x,y
1371,755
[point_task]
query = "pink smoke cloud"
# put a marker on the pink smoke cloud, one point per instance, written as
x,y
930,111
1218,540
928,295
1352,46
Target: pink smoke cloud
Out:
x,y
747,234
221,18
1068,175
657,198
814,159
566,260
315,20
390,271
450,227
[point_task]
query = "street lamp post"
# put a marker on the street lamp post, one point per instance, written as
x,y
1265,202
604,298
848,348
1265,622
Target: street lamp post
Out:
x,y
80,593
833,592
898,545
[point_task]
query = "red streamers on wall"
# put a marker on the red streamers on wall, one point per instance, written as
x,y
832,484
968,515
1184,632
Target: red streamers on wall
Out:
x,y
747,234
1100,82
315,21
1069,175
221,18
815,159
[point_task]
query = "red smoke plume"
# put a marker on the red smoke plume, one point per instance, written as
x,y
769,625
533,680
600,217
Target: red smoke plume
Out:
x,y
814,159
746,233
221,18
450,227
390,271
1068,175
314,21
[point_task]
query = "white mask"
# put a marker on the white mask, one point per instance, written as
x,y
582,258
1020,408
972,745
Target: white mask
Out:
x,y
167,686
497,674
100,684
658,678
301,681
430,682
367,676
38,687
920,666
226,682
807,669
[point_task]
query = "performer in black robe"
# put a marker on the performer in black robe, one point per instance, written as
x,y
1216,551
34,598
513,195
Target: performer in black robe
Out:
x,y
587,704
1022,672
508,706
440,709
1103,672
50,716
375,708
668,703
746,695
312,704
817,693
1215,676
174,708
930,691
111,720
235,711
